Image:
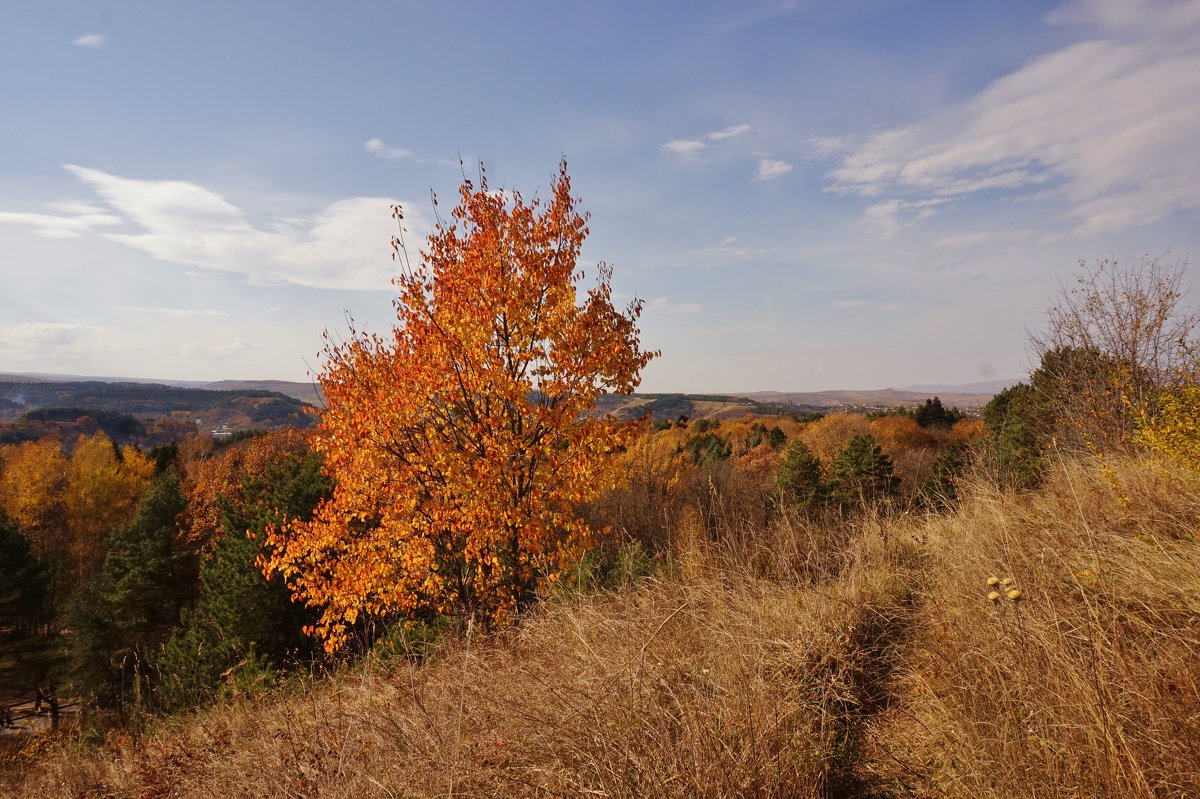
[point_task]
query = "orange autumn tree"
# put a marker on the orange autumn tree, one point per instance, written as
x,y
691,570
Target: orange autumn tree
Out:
x,y
461,443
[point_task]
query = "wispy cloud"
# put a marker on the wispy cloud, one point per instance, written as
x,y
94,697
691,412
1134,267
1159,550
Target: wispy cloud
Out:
x,y
731,132
70,220
684,146
892,216
341,246
697,145
770,169
378,147
1109,125
90,40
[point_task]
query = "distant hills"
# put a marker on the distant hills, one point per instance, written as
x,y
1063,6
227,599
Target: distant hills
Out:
x,y
247,404
880,398
144,413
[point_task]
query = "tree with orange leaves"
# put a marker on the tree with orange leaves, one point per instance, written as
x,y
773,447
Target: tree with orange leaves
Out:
x,y
462,443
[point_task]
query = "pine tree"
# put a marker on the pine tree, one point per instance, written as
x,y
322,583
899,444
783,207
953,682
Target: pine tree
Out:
x,y
26,608
145,581
801,479
242,620
862,474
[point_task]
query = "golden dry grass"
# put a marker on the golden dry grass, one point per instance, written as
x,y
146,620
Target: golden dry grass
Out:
x,y
796,660
712,685
1089,685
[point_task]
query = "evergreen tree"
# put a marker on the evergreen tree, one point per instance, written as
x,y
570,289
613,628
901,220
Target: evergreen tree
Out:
x,y
861,474
800,478
242,621
940,489
145,581
26,608
934,414
1018,424
24,582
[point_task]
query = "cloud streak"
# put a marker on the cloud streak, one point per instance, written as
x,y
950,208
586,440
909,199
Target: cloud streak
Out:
x,y
1107,125
381,149
90,40
697,145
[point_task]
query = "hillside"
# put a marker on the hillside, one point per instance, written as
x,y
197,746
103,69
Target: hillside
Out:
x,y
970,396
866,662
877,399
230,410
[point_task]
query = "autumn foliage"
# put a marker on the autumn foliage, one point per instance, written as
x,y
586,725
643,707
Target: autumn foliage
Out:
x,y
461,442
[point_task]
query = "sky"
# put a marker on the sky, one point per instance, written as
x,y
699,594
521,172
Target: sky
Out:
x,y
805,195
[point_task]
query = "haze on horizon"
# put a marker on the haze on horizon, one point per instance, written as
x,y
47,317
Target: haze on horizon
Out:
x,y
806,195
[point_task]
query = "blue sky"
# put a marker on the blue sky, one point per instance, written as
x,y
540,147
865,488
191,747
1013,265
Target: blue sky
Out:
x,y
807,195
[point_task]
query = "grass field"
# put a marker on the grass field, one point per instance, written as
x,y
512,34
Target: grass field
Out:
x,y
795,660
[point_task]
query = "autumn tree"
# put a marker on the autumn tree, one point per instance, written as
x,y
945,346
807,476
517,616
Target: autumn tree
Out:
x,y
1112,342
462,443
101,492
827,436
31,487
213,476
242,620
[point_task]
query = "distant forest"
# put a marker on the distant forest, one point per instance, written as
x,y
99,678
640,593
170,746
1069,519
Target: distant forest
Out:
x,y
138,412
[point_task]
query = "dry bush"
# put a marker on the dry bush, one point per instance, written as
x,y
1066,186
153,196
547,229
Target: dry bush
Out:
x,y
1111,343
967,430
1089,684
703,687
646,508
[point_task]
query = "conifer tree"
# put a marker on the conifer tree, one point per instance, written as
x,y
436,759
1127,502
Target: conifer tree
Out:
x,y
862,474
800,478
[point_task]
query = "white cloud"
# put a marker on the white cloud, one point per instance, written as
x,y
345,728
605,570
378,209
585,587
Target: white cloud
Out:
x,y
342,246
71,221
1108,125
684,147
770,169
90,40
377,147
730,132
695,146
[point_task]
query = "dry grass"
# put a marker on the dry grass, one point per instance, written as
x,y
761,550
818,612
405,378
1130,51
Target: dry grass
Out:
x,y
797,660
1089,686
709,685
